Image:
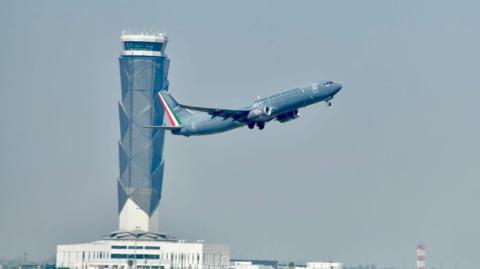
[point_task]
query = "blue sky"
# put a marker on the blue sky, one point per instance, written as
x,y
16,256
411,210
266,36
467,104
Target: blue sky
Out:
x,y
393,162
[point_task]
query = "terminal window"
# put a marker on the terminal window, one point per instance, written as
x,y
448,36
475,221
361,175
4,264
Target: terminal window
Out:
x,y
134,256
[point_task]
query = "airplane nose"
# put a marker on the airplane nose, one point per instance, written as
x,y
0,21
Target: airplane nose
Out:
x,y
338,87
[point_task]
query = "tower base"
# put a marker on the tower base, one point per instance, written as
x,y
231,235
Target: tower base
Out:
x,y
133,218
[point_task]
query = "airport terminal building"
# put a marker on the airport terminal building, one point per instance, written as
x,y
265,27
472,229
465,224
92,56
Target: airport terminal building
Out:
x,y
142,250
138,242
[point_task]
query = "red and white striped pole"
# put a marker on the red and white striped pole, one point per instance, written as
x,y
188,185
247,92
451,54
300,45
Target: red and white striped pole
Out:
x,y
421,256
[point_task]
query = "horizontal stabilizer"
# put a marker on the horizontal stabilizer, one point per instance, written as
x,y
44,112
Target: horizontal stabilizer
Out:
x,y
163,127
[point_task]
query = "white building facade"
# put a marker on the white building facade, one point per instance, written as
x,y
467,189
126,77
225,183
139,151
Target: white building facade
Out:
x,y
140,251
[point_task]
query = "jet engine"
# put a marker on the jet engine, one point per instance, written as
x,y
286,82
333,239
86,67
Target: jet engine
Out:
x,y
287,116
259,113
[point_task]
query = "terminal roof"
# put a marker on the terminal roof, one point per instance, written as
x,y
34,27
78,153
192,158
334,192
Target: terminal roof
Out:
x,y
139,235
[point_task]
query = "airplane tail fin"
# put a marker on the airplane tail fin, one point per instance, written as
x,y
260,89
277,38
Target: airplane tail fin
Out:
x,y
173,109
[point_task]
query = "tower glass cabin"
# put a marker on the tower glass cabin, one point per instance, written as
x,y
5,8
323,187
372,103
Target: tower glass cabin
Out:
x,y
143,72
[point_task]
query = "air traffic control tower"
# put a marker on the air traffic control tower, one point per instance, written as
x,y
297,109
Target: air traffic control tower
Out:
x,y
143,72
138,244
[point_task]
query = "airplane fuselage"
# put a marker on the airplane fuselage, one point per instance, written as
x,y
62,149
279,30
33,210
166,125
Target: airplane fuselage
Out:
x,y
278,105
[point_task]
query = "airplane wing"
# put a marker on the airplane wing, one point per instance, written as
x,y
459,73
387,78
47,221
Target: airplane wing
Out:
x,y
236,114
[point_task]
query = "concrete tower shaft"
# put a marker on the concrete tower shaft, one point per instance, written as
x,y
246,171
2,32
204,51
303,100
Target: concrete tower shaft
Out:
x,y
143,72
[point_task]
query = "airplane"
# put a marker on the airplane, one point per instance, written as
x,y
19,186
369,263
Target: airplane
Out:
x,y
189,120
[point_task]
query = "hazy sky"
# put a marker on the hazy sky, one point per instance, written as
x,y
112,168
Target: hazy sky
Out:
x,y
393,162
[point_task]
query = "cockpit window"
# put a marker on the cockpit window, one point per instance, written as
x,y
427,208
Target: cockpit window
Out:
x,y
328,83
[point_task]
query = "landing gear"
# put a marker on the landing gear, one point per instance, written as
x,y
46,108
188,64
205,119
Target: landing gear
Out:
x,y
328,103
261,125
